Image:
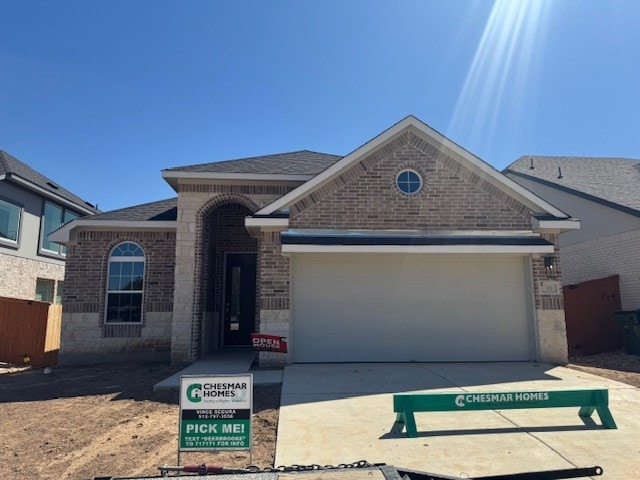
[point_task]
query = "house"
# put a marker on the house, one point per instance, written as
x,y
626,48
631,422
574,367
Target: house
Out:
x,y
409,248
31,207
604,193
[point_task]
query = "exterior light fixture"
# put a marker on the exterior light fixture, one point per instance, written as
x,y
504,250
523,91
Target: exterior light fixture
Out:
x,y
551,266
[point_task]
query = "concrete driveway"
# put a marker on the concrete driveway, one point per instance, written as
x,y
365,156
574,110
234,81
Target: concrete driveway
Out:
x,y
339,413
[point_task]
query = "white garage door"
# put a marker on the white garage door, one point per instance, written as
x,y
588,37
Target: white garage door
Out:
x,y
408,307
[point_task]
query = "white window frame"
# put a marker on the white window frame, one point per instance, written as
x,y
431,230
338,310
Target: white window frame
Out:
x,y
131,259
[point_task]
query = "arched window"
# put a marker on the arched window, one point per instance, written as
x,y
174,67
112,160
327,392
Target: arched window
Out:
x,y
125,282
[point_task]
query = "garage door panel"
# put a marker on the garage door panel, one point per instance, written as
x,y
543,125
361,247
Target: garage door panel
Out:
x,y
409,307
408,348
444,293
404,266
386,319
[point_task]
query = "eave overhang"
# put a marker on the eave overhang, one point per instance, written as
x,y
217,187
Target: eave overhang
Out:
x,y
255,225
67,234
12,177
554,225
344,241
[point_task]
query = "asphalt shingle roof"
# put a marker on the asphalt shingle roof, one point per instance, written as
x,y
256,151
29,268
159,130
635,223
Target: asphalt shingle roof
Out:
x,y
163,210
615,180
12,166
303,162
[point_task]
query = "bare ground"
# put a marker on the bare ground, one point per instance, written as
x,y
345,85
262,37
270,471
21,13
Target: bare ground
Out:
x,y
83,422
614,365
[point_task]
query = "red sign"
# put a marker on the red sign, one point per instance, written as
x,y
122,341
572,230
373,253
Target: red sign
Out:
x,y
269,343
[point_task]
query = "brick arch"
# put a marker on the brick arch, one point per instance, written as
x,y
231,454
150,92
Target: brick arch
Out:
x,y
197,306
224,199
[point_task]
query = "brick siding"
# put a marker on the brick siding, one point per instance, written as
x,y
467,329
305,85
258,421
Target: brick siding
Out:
x,y
617,254
85,293
452,197
223,232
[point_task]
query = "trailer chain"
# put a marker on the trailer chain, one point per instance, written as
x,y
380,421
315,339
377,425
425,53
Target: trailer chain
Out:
x,y
313,466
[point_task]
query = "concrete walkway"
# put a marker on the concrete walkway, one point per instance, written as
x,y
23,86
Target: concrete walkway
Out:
x,y
222,362
334,414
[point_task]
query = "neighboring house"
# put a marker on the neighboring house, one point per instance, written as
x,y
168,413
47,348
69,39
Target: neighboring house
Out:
x,y
604,193
31,207
409,248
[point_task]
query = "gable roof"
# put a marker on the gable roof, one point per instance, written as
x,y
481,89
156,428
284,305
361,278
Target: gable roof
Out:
x,y
14,170
611,181
413,124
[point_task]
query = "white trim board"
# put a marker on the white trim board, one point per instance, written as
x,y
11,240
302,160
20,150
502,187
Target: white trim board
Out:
x,y
441,249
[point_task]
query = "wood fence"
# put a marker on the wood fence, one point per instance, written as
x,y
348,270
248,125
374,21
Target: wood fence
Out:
x,y
29,330
589,308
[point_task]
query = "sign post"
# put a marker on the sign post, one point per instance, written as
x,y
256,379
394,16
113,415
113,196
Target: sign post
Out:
x,y
215,413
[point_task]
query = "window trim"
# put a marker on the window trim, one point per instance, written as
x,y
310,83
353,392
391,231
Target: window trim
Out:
x,y
6,242
409,170
142,258
45,251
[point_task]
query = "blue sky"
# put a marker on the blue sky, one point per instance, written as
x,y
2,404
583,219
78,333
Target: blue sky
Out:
x,y
102,95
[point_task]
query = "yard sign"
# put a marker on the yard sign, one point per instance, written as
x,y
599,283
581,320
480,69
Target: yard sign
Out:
x,y
215,412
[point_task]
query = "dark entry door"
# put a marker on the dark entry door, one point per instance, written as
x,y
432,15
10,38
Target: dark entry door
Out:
x,y
239,298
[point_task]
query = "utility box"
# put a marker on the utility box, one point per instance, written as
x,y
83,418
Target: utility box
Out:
x,y
629,320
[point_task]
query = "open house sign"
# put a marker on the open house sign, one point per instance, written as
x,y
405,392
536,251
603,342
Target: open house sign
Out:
x,y
215,412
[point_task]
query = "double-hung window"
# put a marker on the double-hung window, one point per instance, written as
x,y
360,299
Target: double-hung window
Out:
x,y
125,282
53,218
9,223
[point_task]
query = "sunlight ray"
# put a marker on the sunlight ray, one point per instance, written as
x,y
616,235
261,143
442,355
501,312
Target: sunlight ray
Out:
x,y
500,73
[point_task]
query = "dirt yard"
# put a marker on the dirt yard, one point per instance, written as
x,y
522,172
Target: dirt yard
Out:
x,y
614,365
83,422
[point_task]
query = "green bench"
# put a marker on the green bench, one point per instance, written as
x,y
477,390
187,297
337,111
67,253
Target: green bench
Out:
x,y
405,405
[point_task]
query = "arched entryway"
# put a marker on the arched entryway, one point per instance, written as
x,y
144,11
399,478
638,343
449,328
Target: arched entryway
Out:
x,y
228,278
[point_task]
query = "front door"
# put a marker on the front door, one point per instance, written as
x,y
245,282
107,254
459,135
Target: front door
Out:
x,y
239,299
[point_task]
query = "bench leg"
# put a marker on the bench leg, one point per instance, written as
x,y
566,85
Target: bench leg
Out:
x,y
410,424
606,418
603,412
586,411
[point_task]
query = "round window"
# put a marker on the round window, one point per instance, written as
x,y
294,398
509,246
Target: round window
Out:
x,y
408,181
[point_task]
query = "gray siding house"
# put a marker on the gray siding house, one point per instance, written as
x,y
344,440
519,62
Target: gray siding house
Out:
x,y
31,207
604,193
409,248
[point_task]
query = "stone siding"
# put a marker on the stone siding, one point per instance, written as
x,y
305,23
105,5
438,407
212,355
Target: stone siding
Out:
x,y
18,275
